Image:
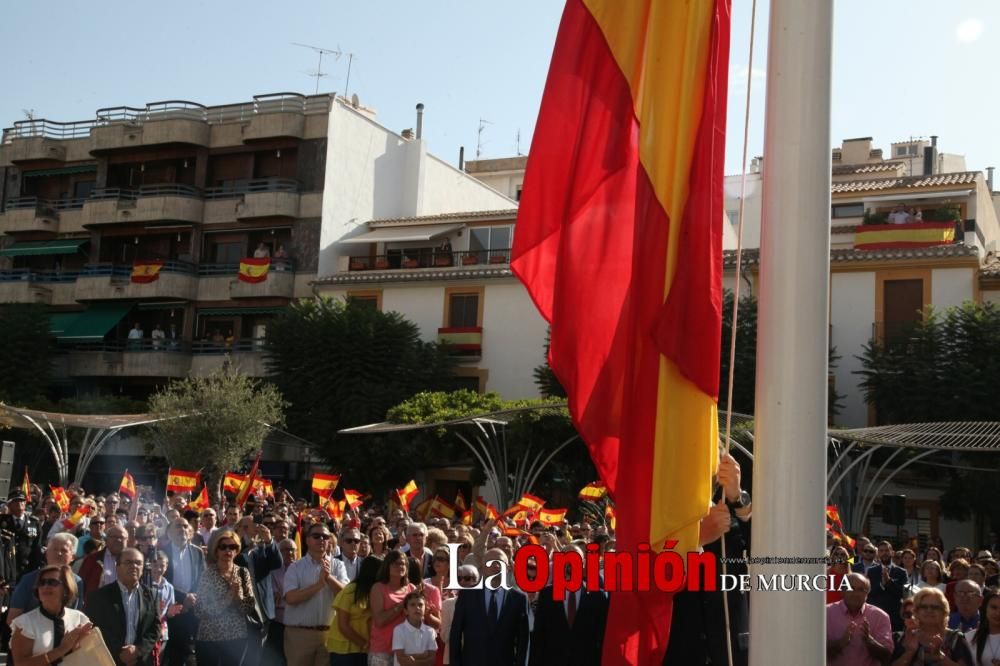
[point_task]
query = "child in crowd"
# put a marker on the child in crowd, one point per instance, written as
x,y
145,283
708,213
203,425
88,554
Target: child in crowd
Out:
x,y
413,642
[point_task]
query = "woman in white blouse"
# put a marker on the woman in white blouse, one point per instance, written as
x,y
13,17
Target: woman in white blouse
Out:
x,y
930,575
54,629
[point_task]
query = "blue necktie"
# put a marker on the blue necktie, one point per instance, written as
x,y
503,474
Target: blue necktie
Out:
x,y
493,614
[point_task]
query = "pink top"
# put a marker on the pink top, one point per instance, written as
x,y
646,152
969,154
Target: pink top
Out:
x,y
856,654
380,639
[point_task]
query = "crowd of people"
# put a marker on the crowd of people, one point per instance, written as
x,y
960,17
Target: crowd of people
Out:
x,y
913,605
279,582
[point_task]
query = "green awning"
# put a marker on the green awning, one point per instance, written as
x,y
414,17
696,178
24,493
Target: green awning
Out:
x,y
163,305
62,171
26,248
60,322
93,324
239,311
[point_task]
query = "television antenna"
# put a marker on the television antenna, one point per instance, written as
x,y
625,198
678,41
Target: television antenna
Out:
x,y
479,136
320,51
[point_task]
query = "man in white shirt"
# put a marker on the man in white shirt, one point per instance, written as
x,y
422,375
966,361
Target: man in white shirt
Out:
x,y
350,537
310,585
206,525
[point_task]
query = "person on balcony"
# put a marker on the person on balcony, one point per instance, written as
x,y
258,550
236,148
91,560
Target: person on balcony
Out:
x,y
899,215
262,251
158,337
135,336
280,259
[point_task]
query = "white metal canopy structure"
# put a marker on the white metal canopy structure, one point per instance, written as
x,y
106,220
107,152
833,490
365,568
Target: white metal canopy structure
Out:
x,y
54,427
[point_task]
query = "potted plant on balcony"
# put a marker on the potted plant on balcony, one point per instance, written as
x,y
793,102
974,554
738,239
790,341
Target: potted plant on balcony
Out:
x,y
358,265
498,259
470,260
871,217
410,263
381,263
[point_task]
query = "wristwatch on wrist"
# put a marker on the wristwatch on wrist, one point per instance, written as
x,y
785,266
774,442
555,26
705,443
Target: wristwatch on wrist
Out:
x,y
742,503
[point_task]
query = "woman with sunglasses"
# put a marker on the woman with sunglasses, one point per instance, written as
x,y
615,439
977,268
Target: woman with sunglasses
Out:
x,y
347,639
927,639
225,599
54,629
386,603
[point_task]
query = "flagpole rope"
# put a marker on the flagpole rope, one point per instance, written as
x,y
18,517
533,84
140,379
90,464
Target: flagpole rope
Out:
x,y
736,301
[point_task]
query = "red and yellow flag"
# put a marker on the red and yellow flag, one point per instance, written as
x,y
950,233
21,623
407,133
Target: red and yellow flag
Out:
x,y
127,486
421,510
181,481
61,497
552,516
246,488
201,501
254,269
74,520
619,243
611,516
835,527
486,509
441,508
334,508
593,492
889,236
531,502
460,504
232,481
353,498
146,271
467,517
26,485
406,494
324,484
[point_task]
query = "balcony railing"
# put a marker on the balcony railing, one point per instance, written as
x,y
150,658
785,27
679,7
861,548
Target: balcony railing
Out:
x,y
429,259
167,110
462,341
126,345
124,271
158,190
242,345
241,187
285,265
33,275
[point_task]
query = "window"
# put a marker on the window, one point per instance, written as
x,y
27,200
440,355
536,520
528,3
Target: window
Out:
x,y
491,244
733,215
900,151
848,210
367,299
463,310
228,253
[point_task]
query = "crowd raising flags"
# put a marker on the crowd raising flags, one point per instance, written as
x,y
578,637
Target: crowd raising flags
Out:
x,y
127,486
625,169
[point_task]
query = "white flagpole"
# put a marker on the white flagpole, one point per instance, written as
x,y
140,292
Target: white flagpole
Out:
x,y
789,481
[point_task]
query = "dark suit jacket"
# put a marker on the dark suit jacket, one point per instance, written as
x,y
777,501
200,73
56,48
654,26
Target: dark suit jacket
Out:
x,y
197,557
473,643
890,597
555,643
106,610
860,567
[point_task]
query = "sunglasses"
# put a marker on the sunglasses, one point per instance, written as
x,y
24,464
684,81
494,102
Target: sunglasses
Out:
x,y
228,546
351,540
97,522
49,582
324,537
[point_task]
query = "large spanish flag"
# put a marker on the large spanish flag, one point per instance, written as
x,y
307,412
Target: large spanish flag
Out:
x,y
146,271
182,481
619,243
890,236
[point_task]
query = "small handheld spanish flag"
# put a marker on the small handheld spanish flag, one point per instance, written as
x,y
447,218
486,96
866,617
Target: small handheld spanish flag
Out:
x,y
552,516
335,508
423,509
531,502
406,494
61,497
353,498
441,508
467,517
232,481
610,516
486,509
247,487
460,504
181,481
127,486
26,485
74,520
324,484
254,269
201,501
593,492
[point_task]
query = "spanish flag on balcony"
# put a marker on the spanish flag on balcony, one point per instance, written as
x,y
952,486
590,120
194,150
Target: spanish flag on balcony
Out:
x,y
181,481
619,243
890,236
146,271
253,269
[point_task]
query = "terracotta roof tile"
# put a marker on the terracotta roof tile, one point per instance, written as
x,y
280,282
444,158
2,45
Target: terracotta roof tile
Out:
x,y
877,167
906,182
416,275
428,219
752,257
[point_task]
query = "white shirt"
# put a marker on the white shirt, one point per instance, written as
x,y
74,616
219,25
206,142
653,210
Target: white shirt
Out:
x,y
413,640
351,567
183,565
109,566
317,611
38,628
135,334
131,602
991,650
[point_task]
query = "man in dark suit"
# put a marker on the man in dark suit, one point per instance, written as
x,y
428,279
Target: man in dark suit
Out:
x,y
569,631
889,584
184,568
490,627
126,613
25,532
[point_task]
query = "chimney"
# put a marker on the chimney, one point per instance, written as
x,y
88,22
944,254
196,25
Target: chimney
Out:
x,y
989,178
407,134
420,120
931,157
461,160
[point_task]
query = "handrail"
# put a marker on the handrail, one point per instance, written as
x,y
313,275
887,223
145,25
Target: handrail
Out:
x,y
105,269
248,186
44,205
429,258
231,269
153,190
145,344
37,275
112,193
205,347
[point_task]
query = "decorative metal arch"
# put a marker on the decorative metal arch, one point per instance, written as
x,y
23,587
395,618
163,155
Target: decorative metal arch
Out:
x,y
54,429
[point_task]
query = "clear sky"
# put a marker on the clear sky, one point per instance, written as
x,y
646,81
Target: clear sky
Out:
x,y
901,67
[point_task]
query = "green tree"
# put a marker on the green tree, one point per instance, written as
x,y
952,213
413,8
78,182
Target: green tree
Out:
x,y
342,364
25,353
213,423
545,379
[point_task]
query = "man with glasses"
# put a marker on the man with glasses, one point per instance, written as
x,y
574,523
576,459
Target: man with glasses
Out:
x,y
968,599
126,613
206,526
888,584
350,537
100,567
111,503
868,552
857,633
185,565
58,552
311,583
96,533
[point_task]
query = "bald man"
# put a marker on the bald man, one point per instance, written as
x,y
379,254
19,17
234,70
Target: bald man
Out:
x,y
857,633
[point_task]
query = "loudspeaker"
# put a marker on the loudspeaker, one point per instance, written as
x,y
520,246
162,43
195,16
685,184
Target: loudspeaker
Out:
x,y
894,509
